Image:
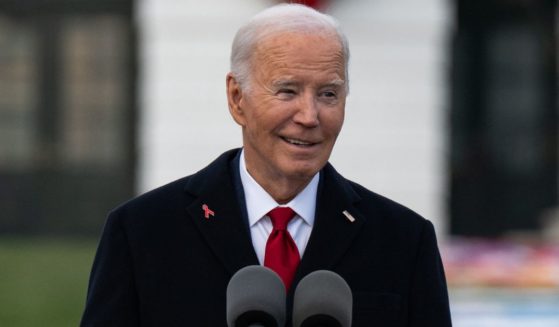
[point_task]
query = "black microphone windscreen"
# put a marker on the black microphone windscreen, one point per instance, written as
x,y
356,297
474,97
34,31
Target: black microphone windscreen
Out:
x,y
255,297
322,298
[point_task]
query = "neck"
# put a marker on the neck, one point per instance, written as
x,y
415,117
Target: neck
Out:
x,y
286,192
281,188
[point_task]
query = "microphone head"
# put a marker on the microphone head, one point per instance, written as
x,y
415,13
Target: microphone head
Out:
x,y
322,298
255,296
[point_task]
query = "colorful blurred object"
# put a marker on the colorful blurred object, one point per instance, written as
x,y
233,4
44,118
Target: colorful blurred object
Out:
x,y
501,263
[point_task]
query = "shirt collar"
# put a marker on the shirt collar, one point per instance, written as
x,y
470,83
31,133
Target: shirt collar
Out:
x,y
259,202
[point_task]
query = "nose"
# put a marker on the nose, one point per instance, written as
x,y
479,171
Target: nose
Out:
x,y
307,112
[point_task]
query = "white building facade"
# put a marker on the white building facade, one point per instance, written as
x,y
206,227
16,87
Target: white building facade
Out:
x,y
393,139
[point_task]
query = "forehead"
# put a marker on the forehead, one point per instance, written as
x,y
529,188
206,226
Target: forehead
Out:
x,y
300,51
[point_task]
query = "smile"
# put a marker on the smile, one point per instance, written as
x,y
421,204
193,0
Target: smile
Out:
x,y
297,142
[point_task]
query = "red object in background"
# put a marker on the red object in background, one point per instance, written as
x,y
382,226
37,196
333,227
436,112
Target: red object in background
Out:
x,y
316,4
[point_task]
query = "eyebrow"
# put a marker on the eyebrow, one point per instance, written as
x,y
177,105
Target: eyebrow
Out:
x,y
283,83
336,82
289,82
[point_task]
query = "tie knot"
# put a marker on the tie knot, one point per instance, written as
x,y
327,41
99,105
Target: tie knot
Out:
x,y
281,216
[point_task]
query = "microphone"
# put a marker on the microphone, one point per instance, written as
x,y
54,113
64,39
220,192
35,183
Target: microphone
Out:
x,y
255,298
324,299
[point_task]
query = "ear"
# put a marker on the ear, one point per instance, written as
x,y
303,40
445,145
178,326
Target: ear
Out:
x,y
235,99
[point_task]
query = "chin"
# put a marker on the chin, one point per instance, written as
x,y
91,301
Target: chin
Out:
x,y
303,172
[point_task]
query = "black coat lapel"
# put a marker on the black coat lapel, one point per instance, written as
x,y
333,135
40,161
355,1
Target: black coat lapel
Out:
x,y
333,231
225,231
228,237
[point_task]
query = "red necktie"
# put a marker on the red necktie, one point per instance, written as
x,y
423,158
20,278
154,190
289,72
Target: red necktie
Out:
x,y
282,255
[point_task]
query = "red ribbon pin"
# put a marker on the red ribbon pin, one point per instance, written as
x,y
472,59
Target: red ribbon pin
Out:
x,y
207,211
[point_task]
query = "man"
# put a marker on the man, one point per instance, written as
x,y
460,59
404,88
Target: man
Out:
x,y
166,257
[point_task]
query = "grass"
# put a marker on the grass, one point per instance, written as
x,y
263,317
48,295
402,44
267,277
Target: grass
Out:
x,y
43,281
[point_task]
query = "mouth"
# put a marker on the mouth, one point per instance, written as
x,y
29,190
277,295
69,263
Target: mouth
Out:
x,y
298,142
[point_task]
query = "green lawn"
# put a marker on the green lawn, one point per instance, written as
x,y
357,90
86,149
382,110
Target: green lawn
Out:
x,y
43,281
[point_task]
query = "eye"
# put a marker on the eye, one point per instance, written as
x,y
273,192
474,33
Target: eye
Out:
x,y
286,94
328,95
286,91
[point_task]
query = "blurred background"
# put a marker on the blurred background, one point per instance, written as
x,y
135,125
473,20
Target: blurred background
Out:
x,y
453,112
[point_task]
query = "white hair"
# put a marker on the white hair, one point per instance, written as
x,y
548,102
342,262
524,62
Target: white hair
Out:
x,y
282,18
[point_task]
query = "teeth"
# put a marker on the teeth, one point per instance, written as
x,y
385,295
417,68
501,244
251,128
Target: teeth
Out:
x,y
296,142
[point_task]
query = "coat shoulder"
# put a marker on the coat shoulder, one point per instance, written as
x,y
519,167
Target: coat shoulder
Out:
x,y
386,212
172,198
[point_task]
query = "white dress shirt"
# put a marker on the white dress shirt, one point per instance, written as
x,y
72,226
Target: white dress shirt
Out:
x,y
259,203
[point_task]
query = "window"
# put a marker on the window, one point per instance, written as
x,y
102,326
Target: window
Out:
x,y
67,113
504,117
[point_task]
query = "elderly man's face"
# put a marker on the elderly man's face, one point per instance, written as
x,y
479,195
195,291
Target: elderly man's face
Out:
x,y
293,108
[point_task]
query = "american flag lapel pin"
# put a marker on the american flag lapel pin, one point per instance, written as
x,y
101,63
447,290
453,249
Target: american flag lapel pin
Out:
x,y
207,211
348,216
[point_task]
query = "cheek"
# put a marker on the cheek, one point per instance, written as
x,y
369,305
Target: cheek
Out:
x,y
273,118
255,120
333,122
